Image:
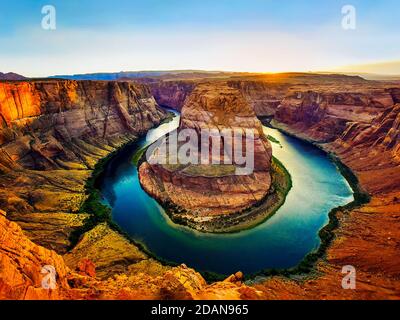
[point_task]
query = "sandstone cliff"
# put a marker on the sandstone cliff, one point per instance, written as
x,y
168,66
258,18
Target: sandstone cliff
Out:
x,y
172,94
323,115
44,123
52,133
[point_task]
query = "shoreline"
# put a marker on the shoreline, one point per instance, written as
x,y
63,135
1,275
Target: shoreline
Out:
x,y
305,267
326,234
240,221
100,213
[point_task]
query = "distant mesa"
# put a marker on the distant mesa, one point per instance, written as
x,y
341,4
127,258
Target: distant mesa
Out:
x,y
148,75
11,76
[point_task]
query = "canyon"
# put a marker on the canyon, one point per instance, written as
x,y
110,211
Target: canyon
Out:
x,y
54,132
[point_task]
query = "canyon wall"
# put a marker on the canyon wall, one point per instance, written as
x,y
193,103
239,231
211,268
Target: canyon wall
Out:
x,y
264,97
52,134
44,124
323,114
320,106
172,94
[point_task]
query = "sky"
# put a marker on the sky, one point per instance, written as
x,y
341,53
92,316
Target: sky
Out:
x,y
230,35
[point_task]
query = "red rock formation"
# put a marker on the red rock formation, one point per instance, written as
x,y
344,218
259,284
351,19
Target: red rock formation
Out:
x,y
172,94
373,151
263,97
41,121
87,268
21,264
324,115
207,191
21,277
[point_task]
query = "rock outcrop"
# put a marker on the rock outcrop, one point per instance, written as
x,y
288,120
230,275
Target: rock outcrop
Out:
x,y
264,97
26,268
22,263
203,192
373,151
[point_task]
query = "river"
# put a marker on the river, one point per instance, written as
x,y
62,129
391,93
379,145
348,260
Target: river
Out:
x,y
280,242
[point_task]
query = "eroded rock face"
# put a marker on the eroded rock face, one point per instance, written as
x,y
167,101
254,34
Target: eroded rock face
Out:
x,y
203,191
52,133
22,277
373,151
21,263
262,96
44,124
172,94
323,116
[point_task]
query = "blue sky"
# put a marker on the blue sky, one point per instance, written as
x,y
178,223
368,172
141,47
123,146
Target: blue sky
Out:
x,y
239,35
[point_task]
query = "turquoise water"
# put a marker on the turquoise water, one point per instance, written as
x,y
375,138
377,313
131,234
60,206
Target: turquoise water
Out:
x,y
280,242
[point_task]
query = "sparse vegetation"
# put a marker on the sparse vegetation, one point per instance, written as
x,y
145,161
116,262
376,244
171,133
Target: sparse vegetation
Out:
x,y
273,140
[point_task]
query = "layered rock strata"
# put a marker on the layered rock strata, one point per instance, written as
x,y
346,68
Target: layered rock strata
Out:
x,y
368,237
52,133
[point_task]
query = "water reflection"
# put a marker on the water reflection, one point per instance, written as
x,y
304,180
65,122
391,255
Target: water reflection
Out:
x,y
280,242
